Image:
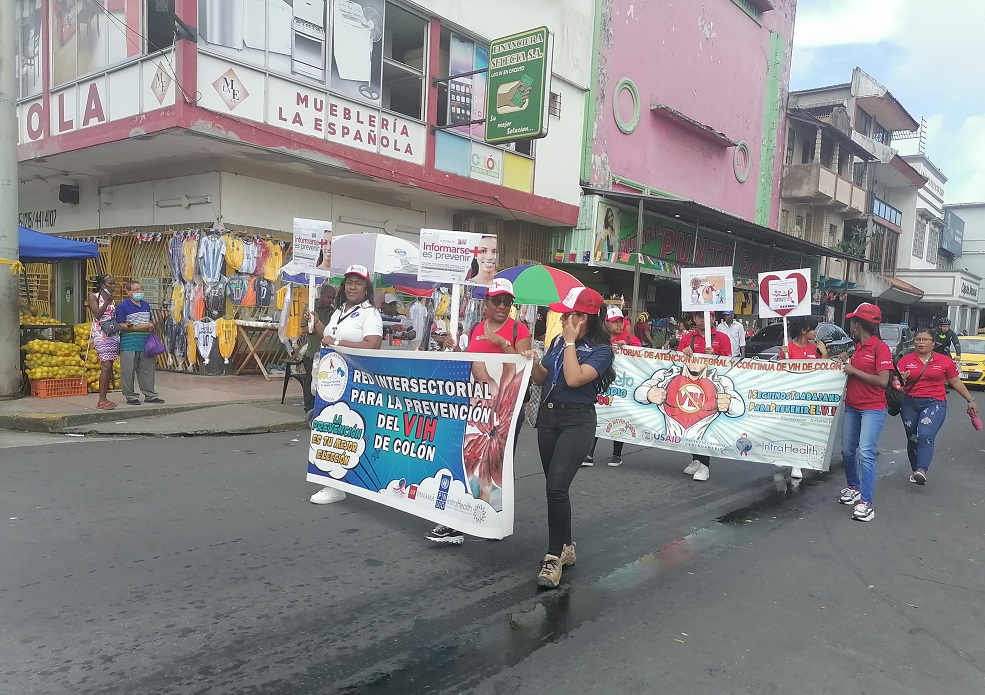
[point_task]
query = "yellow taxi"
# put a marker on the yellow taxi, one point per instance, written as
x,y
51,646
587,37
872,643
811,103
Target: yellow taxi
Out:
x,y
972,362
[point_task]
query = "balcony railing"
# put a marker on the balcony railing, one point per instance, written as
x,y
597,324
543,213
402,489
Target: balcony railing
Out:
x,y
886,211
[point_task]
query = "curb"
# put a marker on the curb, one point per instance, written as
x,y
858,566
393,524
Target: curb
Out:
x,y
58,423
226,432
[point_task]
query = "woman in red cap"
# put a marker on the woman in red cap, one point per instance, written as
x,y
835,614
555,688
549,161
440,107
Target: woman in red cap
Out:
x,y
575,369
498,334
865,408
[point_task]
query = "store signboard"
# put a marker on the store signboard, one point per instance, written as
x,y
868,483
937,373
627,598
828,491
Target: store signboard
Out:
x,y
250,94
519,86
952,237
486,163
138,88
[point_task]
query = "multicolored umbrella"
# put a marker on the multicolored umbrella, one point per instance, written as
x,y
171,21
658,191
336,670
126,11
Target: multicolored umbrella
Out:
x,y
537,284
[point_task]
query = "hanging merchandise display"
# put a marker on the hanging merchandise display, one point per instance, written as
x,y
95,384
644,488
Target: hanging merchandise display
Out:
x,y
264,292
226,334
234,253
215,298
205,334
250,294
177,301
190,346
236,289
176,258
211,257
189,252
263,253
249,257
197,302
274,261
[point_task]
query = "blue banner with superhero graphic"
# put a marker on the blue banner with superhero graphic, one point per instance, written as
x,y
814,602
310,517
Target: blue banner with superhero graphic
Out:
x,y
431,434
779,412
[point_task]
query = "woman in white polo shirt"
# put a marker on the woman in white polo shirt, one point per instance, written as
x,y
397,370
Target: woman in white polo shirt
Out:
x,y
355,323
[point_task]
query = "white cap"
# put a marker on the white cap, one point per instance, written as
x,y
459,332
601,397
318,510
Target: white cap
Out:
x,y
500,286
357,269
613,313
389,298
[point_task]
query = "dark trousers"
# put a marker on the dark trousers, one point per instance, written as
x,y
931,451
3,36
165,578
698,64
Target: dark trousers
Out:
x,y
616,447
704,459
564,436
309,398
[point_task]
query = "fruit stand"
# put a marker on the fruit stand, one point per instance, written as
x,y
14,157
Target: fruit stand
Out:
x,y
54,356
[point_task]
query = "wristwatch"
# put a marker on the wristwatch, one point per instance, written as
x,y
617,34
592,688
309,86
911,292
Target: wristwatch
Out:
x,y
568,344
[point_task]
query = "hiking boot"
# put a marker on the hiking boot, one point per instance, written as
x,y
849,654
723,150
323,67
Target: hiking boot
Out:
x,y
550,572
568,555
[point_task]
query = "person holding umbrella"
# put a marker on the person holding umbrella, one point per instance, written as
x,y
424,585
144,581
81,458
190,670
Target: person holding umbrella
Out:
x,y
355,323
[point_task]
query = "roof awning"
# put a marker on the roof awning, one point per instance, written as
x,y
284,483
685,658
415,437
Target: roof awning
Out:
x,y
697,214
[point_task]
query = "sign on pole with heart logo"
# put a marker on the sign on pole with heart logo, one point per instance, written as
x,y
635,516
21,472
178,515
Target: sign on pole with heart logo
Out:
x,y
785,293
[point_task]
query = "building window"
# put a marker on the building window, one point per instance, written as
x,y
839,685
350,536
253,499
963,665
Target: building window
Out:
x,y
829,241
880,134
404,58
750,9
858,174
863,122
919,238
933,244
889,261
791,145
554,105
785,221
807,151
799,224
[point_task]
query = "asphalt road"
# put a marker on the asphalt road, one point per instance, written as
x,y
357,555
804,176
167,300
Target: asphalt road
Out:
x,y
197,566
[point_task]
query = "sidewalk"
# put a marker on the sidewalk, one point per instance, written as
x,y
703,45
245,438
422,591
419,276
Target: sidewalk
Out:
x,y
193,405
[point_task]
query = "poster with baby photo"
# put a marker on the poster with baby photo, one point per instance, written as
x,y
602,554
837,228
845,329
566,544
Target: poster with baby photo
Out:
x,y
706,289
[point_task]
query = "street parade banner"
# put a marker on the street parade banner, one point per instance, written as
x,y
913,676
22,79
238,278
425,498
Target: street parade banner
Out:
x,y
427,433
779,412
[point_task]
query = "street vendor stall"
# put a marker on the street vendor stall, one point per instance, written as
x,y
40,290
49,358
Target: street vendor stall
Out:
x,y
53,359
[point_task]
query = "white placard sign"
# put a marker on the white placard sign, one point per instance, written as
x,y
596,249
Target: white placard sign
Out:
x,y
785,293
463,258
312,247
706,289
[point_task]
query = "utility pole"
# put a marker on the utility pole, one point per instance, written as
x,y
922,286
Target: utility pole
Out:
x,y
10,373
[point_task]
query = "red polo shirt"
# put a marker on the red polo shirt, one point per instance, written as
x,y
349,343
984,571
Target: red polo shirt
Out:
x,y
625,337
931,384
720,343
872,356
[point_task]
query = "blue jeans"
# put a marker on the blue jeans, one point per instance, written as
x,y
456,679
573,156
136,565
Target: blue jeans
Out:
x,y
922,420
859,437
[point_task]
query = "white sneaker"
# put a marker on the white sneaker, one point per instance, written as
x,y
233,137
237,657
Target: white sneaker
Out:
x,y
796,473
703,472
588,462
327,495
615,461
692,467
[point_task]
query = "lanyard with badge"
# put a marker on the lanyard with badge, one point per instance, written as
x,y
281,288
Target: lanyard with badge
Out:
x,y
558,365
353,312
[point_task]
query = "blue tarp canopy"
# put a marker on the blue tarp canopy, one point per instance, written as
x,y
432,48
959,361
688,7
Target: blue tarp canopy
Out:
x,y
35,246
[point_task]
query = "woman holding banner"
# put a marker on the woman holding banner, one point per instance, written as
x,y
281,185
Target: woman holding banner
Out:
x,y
697,341
803,346
355,323
924,372
498,334
575,369
868,373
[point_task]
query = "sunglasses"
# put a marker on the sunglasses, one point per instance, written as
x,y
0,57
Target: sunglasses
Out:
x,y
501,300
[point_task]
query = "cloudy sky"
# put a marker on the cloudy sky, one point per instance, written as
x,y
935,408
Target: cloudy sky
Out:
x,y
930,55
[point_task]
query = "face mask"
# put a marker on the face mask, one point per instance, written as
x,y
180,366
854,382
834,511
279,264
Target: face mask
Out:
x,y
139,296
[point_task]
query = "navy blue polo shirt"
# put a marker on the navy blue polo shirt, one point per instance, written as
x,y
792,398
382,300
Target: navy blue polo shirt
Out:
x,y
598,357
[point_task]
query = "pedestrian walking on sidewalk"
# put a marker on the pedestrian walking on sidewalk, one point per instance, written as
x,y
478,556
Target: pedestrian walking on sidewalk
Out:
x,y
498,334
696,341
803,346
618,327
575,369
924,373
355,323
136,325
868,373
323,313
107,346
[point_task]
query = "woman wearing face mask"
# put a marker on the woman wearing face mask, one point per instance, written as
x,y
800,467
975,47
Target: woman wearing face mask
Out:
x,y
483,268
924,372
575,369
865,408
498,334
102,307
355,323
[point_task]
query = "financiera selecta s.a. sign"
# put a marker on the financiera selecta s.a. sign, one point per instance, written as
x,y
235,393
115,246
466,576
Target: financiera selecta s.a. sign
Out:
x,y
519,86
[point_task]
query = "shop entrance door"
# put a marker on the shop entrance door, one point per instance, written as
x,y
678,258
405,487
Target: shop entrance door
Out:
x,y
69,291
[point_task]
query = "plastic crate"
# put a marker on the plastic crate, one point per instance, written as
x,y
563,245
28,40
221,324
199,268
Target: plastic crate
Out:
x,y
58,388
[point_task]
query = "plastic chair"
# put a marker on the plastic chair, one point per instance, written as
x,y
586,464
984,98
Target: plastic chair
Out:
x,y
290,374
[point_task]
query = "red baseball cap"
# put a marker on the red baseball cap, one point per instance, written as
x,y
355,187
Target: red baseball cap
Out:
x,y
581,299
501,286
867,312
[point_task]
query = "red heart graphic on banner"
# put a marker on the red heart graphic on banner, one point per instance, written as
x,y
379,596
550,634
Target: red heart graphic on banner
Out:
x,y
764,294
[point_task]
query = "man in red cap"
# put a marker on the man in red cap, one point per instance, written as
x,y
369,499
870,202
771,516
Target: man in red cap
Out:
x,y
868,373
